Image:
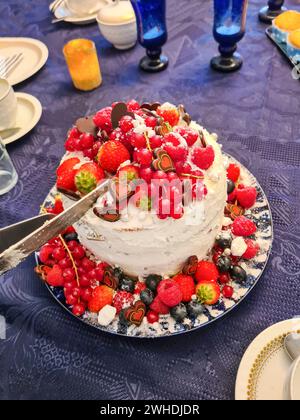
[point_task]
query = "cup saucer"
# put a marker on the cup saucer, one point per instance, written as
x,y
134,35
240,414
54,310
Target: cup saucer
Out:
x,y
29,113
63,11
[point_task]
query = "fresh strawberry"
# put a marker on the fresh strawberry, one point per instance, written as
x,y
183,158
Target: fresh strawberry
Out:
x,y
169,114
55,277
208,293
129,173
242,226
207,271
66,181
246,197
190,135
233,172
203,157
88,176
111,155
252,250
122,300
58,206
169,293
67,165
46,253
102,296
159,307
187,286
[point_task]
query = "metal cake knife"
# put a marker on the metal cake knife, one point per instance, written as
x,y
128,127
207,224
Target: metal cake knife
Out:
x,y
51,227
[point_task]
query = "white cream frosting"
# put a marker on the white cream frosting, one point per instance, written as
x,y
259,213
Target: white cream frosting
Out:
x,y
142,244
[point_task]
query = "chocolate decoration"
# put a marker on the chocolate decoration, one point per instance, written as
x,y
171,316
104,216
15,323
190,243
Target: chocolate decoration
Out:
x,y
202,139
151,107
110,279
184,115
119,111
234,211
109,214
104,135
163,162
121,193
190,266
87,125
136,313
70,194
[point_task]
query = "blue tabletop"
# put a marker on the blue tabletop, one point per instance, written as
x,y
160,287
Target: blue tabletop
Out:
x,y
49,355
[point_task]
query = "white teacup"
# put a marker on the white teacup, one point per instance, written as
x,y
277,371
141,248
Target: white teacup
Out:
x,y
8,106
84,7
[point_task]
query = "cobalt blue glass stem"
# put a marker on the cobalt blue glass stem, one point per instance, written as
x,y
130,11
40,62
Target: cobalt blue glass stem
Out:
x,y
152,32
268,13
229,29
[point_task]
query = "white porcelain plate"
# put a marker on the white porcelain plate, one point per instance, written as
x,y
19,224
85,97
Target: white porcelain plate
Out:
x,y
28,115
35,55
64,12
265,366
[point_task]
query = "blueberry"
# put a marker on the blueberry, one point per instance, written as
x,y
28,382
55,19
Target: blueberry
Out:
x,y
224,241
127,285
118,273
122,319
179,312
230,186
71,237
224,264
152,282
238,274
194,308
147,297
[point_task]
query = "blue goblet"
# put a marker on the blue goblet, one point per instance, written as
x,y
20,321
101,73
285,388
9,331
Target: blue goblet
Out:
x,y
270,12
229,29
152,31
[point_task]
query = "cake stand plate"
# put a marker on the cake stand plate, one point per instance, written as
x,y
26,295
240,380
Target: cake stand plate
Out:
x,y
167,326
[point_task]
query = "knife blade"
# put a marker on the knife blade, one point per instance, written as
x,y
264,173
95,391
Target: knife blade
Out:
x,y
17,253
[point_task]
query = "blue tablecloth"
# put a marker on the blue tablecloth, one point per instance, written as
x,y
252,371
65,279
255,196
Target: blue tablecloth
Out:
x,y
49,355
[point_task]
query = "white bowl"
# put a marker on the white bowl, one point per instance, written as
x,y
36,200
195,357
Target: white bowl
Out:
x,y
123,36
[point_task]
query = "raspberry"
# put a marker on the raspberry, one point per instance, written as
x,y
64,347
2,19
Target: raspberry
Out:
x,y
169,293
46,253
102,295
133,105
172,138
126,124
252,250
88,176
170,115
67,166
233,172
159,307
176,153
122,300
111,155
55,277
203,158
246,197
207,271
187,286
243,227
103,119
190,135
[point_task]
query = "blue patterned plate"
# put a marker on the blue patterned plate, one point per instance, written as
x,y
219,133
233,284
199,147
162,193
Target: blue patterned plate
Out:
x,y
167,326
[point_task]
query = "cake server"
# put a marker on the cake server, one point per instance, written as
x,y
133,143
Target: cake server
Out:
x,y
32,234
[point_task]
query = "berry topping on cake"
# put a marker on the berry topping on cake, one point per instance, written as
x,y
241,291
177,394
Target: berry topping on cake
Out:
x,y
187,286
67,166
87,177
179,312
103,119
102,295
252,250
208,293
159,307
203,157
233,172
190,135
227,292
207,271
111,155
169,292
55,277
242,226
122,299
66,181
246,197
169,113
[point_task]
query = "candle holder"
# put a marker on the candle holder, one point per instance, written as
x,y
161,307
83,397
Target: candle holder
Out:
x,y
268,13
229,29
83,64
152,33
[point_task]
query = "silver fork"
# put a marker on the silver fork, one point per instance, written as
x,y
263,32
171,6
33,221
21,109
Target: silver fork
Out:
x,y
9,65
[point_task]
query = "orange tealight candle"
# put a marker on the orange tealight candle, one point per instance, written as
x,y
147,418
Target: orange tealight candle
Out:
x,y
82,60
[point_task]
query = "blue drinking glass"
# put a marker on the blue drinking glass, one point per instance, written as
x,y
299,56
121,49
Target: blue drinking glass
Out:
x,y
152,31
229,29
270,12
